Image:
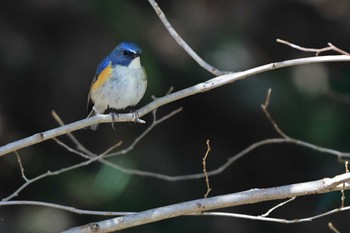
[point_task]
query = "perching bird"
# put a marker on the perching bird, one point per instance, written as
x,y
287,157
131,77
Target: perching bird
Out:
x,y
120,80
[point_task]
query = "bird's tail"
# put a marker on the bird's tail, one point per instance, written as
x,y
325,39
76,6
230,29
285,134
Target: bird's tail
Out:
x,y
91,114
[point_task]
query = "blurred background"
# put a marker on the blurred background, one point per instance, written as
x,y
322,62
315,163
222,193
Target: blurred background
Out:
x,y
49,50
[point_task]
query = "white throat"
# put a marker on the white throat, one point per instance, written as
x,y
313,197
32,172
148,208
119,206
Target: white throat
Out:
x,y
135,64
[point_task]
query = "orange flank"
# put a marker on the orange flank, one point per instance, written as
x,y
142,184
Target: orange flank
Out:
x,y
102,77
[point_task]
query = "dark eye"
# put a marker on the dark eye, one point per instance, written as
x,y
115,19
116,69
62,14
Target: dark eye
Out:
x,y
128,53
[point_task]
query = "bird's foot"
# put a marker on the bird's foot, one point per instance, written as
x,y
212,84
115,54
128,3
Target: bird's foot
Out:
x,y
114,116
136,116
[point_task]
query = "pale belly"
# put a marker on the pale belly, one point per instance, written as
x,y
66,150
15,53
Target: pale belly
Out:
x,y
125,88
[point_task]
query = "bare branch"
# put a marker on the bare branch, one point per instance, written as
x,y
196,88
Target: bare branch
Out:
x,y
229,162
296,141
118,144
183,43
92,157
155,122
251,217
48,173
342,191
264,107
219,169
332,228
126,150
330,47
267,100
336,49
217,202
196,89
277,206
222,214
21,166
63,207
71,149
277,220
78,145
204,162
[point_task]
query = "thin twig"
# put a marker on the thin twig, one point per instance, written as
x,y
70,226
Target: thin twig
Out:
x,y
82,154
79,146
252,217
183,43
276,220
277,206
264,107
84,151
50,173
21,166
63,207
330,47
155,122
267,99
204,162
296,141
332,228
336,49
106,152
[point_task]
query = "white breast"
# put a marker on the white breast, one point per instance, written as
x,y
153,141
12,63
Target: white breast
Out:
x,y
126,88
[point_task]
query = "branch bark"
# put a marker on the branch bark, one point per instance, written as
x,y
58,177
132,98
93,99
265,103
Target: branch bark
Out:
x,y
196,207
196,89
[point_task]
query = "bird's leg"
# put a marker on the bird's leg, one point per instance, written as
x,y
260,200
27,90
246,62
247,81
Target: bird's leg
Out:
x,y
114,115
136,115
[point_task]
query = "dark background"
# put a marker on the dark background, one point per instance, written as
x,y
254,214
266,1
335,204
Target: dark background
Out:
x,y
49,50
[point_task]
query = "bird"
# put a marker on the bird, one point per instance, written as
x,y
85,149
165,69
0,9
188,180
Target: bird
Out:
x,y
120,80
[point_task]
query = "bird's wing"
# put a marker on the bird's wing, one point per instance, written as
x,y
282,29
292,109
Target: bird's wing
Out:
x,y
100,68
103,64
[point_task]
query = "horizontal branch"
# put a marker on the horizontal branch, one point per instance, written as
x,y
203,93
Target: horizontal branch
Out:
x,y
276,220
220,214
198,88
63,207
198,206
317,51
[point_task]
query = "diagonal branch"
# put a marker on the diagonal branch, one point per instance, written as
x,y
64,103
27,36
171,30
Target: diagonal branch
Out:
x,y
193,90
332,228
221,214
183,43
277,206
217,202
264,107
85,153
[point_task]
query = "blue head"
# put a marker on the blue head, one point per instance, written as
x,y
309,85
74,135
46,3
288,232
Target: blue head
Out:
x,y
125,53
